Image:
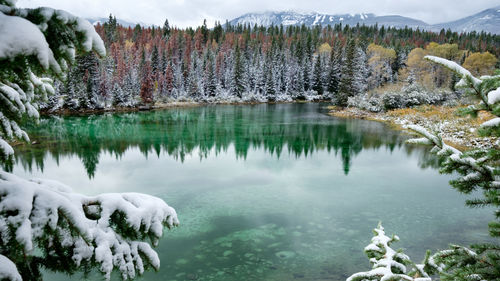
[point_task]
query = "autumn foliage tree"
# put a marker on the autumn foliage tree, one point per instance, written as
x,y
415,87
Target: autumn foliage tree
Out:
x,y
480,63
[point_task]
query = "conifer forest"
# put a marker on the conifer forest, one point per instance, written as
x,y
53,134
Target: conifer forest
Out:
x,y
257,64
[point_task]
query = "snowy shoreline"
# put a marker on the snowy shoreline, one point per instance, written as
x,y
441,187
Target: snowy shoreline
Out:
x,y
458,131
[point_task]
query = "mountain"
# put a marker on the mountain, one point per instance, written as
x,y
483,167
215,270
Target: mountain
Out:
x,y
487,20
310,19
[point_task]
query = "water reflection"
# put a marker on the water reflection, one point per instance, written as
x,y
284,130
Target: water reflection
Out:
x,y
260,190
296,129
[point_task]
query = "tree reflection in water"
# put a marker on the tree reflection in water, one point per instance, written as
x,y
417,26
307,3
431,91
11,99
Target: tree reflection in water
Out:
x,y
298,129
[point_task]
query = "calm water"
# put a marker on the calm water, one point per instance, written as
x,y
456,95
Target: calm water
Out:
x,y
264,192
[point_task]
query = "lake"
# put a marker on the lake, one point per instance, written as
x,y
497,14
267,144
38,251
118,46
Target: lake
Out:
x,y
263,192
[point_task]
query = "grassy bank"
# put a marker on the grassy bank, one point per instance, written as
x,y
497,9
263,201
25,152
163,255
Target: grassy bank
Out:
x,y
460,131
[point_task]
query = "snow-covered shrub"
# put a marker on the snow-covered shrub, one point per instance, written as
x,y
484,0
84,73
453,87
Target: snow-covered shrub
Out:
x,y
387,263
411,95
368,102
44,224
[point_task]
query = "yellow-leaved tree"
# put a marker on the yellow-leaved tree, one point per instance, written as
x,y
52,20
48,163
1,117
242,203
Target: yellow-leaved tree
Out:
x,y
380,60
480,63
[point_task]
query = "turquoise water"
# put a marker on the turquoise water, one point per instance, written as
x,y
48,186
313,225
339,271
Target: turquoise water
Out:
x,y
263,192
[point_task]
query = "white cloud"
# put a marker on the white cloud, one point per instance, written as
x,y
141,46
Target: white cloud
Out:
x,y
185,13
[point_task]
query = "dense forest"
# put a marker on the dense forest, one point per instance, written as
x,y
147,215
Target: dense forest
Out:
x,y
241,63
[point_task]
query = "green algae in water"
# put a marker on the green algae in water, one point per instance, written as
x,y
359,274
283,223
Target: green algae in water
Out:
x,y
265,192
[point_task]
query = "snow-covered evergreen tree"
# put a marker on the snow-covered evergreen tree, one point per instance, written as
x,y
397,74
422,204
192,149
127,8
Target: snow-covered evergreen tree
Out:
x,y
360,72
334,68
347,87
317,83
237,81
42,223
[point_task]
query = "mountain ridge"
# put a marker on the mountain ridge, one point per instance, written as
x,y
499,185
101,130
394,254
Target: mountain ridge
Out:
x,y
487,20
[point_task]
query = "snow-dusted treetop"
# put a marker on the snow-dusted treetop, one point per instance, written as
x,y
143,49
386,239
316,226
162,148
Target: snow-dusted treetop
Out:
x,y
34,43
106,229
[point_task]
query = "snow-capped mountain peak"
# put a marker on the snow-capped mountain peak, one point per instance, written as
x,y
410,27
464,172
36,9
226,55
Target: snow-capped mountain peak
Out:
x,y
487,20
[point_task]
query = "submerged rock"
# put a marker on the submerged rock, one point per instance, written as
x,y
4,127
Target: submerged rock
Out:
x,y
285,254
274,245
298,275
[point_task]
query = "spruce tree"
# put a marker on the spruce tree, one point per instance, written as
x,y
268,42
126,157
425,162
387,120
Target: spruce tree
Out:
x,y
110,29
347,80
270,85
155,62
317,83
237,83
334,68
211,79
360,72
137,33
283,75
119,99
307,74
166,29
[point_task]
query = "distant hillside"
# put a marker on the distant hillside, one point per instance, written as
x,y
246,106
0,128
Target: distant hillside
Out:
x,y
487,20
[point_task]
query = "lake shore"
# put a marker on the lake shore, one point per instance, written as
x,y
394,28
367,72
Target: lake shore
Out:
x,y
160,106
458,131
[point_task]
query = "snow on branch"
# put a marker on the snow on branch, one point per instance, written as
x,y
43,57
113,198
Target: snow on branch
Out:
x,y
107,229
52,38
387,264
492,123
21,37
494,96
464,73
92,40
454,156
485,88
8,270
432,139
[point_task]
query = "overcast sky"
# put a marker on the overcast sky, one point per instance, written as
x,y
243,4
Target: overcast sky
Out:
x,y
184,13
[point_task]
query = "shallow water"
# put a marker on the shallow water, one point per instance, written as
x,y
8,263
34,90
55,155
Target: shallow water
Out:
x,y
263,192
